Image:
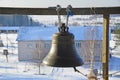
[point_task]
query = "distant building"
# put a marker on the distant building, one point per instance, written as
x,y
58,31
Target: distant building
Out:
x,y
35,42
7,30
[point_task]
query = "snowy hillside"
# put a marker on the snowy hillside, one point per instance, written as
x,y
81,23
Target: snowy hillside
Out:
x,y
81,20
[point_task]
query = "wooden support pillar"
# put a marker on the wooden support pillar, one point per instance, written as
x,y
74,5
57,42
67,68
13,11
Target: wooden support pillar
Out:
x,y
105,46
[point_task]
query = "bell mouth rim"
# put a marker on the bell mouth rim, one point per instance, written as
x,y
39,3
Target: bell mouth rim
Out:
x,y
62,65
45,64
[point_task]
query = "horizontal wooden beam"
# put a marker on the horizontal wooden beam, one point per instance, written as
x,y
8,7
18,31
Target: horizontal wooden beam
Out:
x,y
52,11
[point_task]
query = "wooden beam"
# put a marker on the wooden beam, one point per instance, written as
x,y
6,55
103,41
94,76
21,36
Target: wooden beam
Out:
x,y
105,46
52,11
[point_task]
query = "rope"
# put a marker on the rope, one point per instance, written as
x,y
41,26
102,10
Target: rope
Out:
x,y
68,10
58,8
76,70
114,73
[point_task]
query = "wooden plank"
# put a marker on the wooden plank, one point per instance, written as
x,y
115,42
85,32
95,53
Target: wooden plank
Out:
x,y
105,46
52,11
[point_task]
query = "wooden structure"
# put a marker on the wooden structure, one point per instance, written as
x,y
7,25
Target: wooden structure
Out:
x,y
105,11
52,11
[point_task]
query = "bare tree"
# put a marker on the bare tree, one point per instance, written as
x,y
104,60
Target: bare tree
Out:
x,y
39,52
90,46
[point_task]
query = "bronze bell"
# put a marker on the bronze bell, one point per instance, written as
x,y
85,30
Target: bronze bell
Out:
x,y
63,52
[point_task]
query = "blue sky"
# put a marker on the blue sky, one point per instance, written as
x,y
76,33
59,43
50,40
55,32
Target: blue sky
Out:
x,y
63,3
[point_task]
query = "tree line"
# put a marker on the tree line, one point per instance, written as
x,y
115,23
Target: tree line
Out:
x,y
17,20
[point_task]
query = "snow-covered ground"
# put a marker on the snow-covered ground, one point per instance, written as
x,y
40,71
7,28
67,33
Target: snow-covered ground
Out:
x,y
15,70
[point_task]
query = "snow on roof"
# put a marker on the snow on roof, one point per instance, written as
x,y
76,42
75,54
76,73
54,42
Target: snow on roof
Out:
x,y
45,33
9,28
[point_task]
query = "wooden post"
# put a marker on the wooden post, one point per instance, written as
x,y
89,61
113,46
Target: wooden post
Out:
x,y
5,52
105,46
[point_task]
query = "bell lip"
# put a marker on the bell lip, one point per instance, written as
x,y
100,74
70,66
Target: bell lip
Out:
x,y
67,66
78,62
